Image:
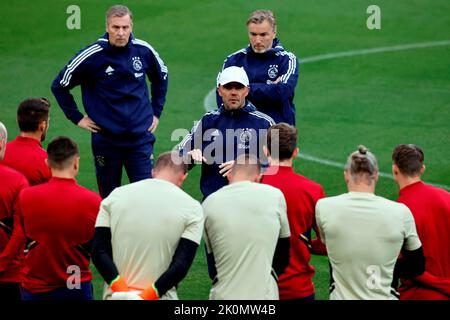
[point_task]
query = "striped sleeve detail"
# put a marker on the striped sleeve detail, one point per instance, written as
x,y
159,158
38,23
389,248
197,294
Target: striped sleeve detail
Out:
x,y
158,58
292,65
263,116
77,61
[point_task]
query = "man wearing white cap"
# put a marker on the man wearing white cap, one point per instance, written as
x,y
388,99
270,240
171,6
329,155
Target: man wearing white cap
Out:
x,y
223,134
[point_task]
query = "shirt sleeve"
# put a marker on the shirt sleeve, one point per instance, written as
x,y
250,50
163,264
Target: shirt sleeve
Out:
x,y
104,215
320,222
194,224
412,241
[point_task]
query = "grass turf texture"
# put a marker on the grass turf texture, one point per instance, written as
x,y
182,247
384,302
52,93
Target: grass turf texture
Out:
x,y
378,100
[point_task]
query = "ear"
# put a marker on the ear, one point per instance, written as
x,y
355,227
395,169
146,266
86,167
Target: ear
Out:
x,y
258,178
47,164
376,177
346,176
76,164
43,125
219,90
266,151
246,91
422,170
295,153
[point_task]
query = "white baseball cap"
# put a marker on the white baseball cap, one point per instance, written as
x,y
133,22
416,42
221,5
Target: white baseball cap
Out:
x,y
232,74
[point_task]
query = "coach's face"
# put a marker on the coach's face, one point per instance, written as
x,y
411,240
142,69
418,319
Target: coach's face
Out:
x,y
261,36
233,95
119,30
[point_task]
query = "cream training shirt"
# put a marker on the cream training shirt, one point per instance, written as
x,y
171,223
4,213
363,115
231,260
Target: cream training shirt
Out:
x,y
147,220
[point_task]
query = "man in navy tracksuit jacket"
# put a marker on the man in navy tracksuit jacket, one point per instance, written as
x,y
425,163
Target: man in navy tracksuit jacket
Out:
x,y
273,71
112,75
223,134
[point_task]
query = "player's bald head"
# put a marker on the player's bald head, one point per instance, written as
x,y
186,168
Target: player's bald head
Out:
x,y
246,167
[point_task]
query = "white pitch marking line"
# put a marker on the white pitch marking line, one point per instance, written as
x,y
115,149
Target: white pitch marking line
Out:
x,y
209,103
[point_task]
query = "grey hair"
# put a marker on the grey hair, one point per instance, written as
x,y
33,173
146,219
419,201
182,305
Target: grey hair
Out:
x,y
260,16
118,11
362,163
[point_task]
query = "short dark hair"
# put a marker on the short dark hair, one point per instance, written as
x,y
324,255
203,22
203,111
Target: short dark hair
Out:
x,y
61,151
172,161
287,140
31,112
409,159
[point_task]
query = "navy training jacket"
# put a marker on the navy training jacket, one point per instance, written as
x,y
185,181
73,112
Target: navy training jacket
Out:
x,y
113,85
222,135
275,100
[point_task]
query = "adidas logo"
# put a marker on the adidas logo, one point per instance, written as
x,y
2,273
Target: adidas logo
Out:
x,y
109,70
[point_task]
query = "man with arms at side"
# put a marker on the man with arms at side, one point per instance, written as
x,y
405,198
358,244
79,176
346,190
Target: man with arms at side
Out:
x,y
247,235
222,135
112,75
25,153
58,221
12,182
301,196
430,207
365,234
147,234
273,71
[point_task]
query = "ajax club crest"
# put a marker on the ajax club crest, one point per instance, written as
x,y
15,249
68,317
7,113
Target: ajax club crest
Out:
x,y
137,64
273,71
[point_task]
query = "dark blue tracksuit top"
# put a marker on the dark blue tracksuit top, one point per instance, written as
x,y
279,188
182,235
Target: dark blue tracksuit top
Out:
x,y
113,85
222,135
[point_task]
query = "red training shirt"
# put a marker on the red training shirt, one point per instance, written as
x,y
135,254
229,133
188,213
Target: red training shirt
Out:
x,y
58,220
430,207
11,183
301,196
27,156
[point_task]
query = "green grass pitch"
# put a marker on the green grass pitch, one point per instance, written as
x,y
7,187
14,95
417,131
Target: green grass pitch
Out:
x,y
379,100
